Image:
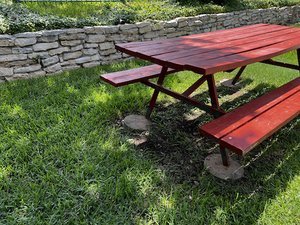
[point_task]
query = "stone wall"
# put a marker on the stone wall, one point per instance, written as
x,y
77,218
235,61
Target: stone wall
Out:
x,y
42,53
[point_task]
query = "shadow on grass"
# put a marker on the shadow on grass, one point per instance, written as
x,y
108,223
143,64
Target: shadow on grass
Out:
x,y
176,147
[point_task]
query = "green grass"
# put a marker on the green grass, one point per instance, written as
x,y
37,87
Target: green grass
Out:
x,y
149,9
65,158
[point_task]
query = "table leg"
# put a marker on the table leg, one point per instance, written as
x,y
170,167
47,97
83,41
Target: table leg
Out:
x,y
213,91
156,91
237,76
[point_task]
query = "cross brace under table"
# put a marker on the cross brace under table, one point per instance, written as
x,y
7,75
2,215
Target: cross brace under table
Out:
x,y
214,109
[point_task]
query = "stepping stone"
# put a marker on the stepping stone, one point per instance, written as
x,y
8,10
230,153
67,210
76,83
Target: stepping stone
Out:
x,y
228,83
213,163
137,122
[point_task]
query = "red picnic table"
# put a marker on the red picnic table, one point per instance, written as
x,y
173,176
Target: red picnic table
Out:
x,y
224,50
207,54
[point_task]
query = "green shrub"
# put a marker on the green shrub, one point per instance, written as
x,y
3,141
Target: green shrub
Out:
x,y
16,19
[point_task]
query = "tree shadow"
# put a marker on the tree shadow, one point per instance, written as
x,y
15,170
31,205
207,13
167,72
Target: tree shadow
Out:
x,y
176,147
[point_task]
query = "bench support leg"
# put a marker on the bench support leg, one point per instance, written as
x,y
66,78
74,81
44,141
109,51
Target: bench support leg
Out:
x,y
160,81
224,155
238,75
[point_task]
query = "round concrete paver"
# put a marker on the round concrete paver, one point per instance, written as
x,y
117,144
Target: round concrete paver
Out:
x,y
137,122
228,83
213,163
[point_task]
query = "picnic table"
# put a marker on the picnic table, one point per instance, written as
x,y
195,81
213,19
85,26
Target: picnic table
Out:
x,y
209,53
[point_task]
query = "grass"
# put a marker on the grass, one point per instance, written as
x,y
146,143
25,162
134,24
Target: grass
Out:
x,y
65,158
139,10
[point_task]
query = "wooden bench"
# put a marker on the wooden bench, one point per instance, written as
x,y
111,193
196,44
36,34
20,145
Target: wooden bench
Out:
x,y
247,126
125,77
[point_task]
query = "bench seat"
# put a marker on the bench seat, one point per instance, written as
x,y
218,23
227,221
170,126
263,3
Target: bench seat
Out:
x,y
125,77
247,126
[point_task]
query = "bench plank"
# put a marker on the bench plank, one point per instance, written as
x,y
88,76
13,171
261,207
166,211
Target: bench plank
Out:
x,y
229,122
122,78
261,127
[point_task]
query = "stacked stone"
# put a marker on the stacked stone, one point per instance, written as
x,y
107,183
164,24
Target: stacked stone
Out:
x,y
42,53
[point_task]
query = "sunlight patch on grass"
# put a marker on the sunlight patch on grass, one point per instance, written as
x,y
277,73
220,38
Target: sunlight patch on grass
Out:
x,y
284,209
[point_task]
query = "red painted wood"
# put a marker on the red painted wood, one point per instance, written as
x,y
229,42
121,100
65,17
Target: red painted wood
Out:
x,y
222,126
246,137
197,45
226,45
205,58
242,59
209,53
122,78
218,43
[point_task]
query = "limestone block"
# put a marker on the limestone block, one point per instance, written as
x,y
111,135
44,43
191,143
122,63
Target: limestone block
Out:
x,y
145,29
108,52
71,43
5,72
90,51
28,69
38,55
72,55
90,45
54,68
76,48
158,26
58,51
48,38
84,59
12,57
171,23
5,50
110,29
6,40
97,38
91,64
50,61
74,30
44,46
106,45
25,41
28,34
22,50
75,36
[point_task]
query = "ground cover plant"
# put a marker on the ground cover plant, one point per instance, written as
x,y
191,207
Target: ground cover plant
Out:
x,y
65,158
33,16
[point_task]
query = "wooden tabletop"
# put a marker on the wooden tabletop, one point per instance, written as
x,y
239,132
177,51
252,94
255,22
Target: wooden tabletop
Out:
x,y
221,50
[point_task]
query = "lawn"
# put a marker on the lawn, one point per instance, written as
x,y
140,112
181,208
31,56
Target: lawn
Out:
x,y
65,158
138,10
